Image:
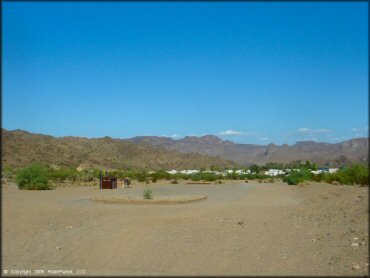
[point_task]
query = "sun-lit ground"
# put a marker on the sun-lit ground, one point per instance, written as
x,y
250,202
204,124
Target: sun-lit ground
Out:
x,y
241,228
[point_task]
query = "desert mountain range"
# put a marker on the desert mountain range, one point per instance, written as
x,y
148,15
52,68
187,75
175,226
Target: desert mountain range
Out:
x,y
339,154
20,148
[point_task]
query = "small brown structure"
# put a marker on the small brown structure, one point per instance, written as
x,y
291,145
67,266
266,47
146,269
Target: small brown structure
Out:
x,y
109,182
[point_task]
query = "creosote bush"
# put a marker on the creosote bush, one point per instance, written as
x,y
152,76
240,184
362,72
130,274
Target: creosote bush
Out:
x,y
296,177
33,177
148,194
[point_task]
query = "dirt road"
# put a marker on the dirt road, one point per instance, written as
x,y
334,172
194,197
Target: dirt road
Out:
x,y
241,229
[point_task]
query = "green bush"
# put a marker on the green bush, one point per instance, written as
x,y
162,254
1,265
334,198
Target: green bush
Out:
x,y
355,174
148,194
86,175
63,174
33,177
160,175
196,177
141,176
318,177
232,176
179,176
296,177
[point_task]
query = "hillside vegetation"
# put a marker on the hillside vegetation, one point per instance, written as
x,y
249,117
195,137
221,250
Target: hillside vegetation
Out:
x,y
38,176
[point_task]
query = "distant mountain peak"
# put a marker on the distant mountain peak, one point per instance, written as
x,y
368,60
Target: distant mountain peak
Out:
x,y
212,139
298,143
106,152
206,139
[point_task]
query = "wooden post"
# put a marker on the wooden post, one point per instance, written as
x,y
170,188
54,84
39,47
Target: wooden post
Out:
x,y
100,185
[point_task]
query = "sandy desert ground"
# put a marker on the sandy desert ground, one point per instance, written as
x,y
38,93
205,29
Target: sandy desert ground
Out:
x,y
241,229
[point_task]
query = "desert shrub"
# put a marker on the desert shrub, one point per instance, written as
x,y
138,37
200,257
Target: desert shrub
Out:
x,y
96,173
318,177
63,174
33,177
111,173
179,176
232,176
203,176
121,174
296,177
208,176
148,194
174,182
355,174
86,176
161,174
154,179
140,176
196,177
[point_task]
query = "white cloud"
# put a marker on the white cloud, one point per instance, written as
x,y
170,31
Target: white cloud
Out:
x,y
264,139
312,131
304,129
172,136
358,135
360,129
321,130
197,135
231,133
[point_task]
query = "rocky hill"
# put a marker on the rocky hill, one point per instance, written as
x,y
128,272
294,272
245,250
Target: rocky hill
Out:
x,y
20,148
339,154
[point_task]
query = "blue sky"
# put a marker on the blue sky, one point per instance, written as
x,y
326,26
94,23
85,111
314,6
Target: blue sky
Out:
x,y
245,71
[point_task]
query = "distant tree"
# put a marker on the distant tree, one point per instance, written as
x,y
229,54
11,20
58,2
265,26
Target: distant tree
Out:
x,y
215,168
254,168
